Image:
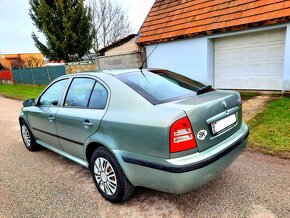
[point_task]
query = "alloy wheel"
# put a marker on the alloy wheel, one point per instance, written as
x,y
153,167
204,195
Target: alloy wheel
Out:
x,y
26,135
105,176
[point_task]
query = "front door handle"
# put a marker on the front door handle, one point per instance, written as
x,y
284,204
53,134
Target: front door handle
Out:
x,y
87,124
51,118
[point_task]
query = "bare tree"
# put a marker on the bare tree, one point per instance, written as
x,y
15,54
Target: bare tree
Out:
x,y
111,22
17,64
33,61
29,62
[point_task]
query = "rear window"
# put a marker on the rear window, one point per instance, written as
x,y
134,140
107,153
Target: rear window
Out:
x,y
161,86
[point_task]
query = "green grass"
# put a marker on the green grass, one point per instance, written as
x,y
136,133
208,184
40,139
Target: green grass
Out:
x,y
20,92
270,129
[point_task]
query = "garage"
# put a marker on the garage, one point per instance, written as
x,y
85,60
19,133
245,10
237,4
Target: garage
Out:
x,y
250,61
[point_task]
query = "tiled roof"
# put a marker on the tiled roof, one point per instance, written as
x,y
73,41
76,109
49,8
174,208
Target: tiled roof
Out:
x,y
171,19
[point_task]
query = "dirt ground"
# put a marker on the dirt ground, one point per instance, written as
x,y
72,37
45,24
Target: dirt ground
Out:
x,y
252,106
44,184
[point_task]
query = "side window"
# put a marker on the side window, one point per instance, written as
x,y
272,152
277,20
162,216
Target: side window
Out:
x,y
79,92
99,97
53,94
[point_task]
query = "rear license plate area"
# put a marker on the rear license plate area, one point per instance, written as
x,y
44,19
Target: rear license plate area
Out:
x,y
223,124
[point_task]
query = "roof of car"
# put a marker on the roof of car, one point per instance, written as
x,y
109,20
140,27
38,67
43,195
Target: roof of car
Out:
x,y
111,72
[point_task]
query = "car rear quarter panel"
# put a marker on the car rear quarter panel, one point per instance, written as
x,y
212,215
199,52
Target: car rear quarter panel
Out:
x,y
133,124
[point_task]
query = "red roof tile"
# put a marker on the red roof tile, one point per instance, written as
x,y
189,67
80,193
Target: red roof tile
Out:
x,y
170,19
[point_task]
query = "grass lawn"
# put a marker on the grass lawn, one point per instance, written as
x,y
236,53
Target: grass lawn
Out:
x,y
270,129
19,91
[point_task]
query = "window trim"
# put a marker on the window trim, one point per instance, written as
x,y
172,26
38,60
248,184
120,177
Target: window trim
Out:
x,y
97,82
78,107
61,96
86,108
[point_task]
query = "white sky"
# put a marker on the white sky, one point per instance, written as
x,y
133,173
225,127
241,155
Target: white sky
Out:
x,y
16,26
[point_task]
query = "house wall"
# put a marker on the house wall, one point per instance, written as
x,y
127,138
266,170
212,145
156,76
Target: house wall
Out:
x,y
124,61
189,57
194,57
126,48
24,59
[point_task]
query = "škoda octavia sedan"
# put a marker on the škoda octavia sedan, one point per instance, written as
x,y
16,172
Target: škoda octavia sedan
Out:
x,y
151,128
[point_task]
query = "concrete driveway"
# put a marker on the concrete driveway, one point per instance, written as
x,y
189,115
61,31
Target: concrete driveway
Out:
x,y
44,184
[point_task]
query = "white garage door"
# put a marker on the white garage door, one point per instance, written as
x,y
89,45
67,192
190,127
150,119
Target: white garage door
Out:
x,y
250,61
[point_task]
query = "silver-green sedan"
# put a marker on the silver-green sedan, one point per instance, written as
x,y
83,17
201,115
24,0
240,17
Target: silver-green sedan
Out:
x,y
151,128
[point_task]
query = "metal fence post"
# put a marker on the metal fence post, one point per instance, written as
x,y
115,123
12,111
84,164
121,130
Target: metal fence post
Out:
x,y
21,76
48,74
32,74
11,76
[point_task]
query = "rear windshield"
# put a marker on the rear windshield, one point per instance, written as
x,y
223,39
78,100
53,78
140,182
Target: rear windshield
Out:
x,y
161,86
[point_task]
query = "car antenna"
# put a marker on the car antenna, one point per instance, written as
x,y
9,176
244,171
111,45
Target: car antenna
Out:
x,y
139,34
141,67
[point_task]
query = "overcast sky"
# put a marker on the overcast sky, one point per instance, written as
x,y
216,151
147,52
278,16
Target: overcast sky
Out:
x,y
16,26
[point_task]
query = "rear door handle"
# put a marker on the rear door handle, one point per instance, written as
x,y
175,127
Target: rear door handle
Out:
x,y
51,118
87,124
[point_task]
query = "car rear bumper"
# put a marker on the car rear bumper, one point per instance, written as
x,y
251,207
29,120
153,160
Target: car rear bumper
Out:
x,y
183,174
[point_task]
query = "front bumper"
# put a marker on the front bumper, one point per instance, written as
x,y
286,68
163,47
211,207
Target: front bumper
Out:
x,y
179,175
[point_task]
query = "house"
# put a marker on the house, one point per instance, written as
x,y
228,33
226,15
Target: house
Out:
x,y
23,60
122,54
230,44
125,45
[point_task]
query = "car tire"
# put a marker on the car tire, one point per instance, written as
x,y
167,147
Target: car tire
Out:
x,y
109,177
27,137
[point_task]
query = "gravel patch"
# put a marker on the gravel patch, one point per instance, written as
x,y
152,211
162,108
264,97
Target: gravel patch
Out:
x,y
254,105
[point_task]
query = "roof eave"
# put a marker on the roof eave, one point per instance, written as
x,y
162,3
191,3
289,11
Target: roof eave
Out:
x,y
215,31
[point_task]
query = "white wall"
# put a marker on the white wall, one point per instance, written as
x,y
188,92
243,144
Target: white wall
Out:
x,y
190,57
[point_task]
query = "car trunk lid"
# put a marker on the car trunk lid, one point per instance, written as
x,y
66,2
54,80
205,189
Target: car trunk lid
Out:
x,y
218,108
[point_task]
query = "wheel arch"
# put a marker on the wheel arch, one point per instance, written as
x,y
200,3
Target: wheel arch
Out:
x,y
102,140
91,147
99,140
21,119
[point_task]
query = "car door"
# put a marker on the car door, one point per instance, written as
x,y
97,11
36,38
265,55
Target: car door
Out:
x,y
42,116
79,117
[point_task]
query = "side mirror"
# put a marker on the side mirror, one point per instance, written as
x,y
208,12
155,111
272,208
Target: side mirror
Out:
x,y
29,102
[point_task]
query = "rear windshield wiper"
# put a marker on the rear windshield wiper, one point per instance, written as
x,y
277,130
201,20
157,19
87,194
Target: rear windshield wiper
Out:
x,y
204,89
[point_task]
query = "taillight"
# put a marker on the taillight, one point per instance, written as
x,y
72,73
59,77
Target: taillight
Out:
x,y
181,136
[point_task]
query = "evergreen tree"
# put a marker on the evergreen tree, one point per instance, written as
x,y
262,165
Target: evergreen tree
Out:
x,y
67,26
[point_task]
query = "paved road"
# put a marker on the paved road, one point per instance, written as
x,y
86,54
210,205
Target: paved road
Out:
x,y
44,184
